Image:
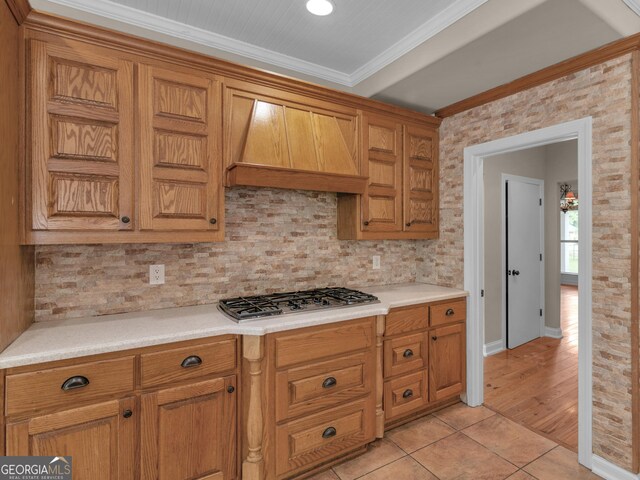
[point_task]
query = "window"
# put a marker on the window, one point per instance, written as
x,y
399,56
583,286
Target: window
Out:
x,y
569,242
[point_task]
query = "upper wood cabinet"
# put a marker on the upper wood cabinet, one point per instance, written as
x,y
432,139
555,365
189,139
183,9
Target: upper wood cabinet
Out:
x,y
114,162
401,199
277,139
81,139
180,150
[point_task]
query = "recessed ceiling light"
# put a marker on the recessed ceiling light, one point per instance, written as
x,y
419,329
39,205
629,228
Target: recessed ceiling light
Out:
x,y
320,7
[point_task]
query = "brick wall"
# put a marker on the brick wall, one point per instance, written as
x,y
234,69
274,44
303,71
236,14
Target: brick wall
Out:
x,y
603,92
276,240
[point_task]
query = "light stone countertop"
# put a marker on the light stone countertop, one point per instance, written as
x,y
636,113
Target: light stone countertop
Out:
x,y
78,337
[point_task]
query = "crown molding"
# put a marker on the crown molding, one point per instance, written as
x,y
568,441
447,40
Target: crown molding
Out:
x,y
454,12
148,21
633,5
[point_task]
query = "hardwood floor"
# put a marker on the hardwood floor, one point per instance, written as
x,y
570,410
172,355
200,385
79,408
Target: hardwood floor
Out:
x,y
536,384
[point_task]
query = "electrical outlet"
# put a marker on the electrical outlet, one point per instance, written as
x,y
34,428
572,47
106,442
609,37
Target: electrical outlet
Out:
x,y
156,274
376,262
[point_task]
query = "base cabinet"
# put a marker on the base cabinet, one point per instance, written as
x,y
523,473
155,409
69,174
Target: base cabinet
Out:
x,y
100,438
424,358
188,432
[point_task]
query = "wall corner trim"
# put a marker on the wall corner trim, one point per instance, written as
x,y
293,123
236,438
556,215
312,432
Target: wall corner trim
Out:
x,y
610,471
552,332
492,348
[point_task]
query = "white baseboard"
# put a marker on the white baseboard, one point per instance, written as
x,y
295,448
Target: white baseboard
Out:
x,y
492,348
610,471
552,332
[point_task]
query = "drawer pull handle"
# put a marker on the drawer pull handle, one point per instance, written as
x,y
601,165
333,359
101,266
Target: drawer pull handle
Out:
x,y
329,432
127,413
407,393
434,338
192,361
408,353
449,312
329,382
75,382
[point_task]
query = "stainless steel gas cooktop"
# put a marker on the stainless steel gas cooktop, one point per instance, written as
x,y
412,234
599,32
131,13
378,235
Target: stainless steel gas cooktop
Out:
x,y
241,309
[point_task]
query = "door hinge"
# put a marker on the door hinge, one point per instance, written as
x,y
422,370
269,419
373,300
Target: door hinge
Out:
x,y
540,257
540,312
482,293
540,202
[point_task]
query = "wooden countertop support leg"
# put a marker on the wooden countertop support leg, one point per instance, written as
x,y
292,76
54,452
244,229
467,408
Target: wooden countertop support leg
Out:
x,y
253,354
380,326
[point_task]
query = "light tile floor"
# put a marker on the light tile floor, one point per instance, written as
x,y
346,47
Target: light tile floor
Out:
x,y
462,443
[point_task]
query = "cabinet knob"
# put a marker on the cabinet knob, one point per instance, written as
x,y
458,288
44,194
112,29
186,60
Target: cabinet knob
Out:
x,y
329,432
366,223
127,413
231,389
408,393
125,219
74,382
409,223
213,221
329,382
449,312
192,361
434,338
408,353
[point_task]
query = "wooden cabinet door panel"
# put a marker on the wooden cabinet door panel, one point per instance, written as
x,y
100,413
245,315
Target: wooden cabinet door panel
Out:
x,y
80,138
382,163
189,432
180,176
99,438
447,362
420,202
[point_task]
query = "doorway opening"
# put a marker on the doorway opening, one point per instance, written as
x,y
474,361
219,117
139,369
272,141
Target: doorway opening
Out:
x,y
476,159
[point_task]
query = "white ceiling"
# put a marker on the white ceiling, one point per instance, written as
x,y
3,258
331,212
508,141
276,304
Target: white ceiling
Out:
x,y
424,54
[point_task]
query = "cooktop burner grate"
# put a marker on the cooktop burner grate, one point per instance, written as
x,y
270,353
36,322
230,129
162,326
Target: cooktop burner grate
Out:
x,y
248,308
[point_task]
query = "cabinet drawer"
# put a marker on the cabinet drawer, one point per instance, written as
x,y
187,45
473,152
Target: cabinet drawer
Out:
x,y
321,342
405,354
325,384
406,394
187,362
407,319
449,312
320,437
65,386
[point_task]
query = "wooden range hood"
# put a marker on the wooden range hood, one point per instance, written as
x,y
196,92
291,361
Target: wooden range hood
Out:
x,y
284,143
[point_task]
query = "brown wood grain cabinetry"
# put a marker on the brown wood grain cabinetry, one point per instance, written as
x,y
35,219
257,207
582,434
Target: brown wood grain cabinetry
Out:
x,y
424,358
281,139
446,361
81,138
401,200
188,432
118,424
112,162
101,439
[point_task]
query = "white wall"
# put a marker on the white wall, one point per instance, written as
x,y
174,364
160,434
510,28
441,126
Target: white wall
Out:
x,y
554,164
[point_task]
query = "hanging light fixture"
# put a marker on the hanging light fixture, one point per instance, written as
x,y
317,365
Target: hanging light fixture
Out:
x,y
568,199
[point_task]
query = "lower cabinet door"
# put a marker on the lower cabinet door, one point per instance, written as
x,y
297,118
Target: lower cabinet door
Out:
x,y
189,432
101,439
447,361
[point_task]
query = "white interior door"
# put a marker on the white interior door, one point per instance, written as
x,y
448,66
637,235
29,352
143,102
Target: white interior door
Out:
x,y
524,249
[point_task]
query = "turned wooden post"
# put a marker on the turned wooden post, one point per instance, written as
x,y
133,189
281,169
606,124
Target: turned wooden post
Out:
x,y
380,326
253,353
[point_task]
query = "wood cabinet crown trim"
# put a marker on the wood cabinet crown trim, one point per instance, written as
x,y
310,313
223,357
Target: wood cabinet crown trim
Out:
x,y
38,22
